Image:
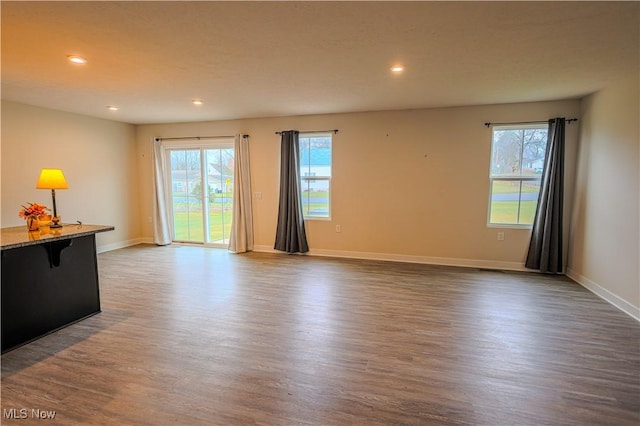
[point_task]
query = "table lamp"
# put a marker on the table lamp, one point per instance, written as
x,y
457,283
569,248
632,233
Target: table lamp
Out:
x,y
52,179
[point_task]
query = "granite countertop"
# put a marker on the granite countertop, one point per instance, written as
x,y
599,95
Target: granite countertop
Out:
x,y
18,236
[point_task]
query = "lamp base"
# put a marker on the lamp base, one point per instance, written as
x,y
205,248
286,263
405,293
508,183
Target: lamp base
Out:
x,y
55,222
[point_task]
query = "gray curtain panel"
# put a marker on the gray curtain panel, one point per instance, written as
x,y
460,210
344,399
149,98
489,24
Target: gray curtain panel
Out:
x,y
545,248
290,233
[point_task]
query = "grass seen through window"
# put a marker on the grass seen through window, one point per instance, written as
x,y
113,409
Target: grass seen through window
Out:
x,y
510,210
188,222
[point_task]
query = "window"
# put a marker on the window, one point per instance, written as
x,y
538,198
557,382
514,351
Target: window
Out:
x,y
315,175
517,159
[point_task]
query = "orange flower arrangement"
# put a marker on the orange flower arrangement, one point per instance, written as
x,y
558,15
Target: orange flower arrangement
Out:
x,y
33,210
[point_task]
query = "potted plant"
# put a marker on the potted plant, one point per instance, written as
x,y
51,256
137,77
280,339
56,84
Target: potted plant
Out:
x,y
32,213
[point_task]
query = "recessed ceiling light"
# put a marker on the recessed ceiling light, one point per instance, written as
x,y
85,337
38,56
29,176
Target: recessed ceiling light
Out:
x,y
112,107
197,101
77,59
397,69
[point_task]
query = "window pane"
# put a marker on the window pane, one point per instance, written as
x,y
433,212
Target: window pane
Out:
x,y
220,182
315,198
529,200
186,195
514,202
315,156
305,156
505,196
533,151
506,152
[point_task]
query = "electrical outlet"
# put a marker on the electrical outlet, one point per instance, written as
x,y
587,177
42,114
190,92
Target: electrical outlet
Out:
x,y
338,228
500,236
257,195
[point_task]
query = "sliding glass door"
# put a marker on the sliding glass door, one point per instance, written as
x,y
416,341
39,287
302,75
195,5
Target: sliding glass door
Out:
x,y
201,189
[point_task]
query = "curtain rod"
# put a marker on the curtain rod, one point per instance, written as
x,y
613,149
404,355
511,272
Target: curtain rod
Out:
x,y
313,131
488,124
198,138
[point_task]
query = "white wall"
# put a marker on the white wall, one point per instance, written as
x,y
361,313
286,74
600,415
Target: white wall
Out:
x,y
97,157
407,185
604,250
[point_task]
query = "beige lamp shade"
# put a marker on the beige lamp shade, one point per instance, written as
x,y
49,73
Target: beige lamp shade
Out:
x,y
51,179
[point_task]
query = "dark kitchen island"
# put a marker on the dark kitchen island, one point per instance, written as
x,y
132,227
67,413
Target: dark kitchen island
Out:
x,y
49,280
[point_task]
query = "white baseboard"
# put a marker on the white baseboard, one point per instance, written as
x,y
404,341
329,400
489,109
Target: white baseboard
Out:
x,y
393,257
603,293
122,244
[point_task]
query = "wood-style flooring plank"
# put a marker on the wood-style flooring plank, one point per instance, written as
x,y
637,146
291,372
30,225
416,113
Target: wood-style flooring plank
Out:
x,y
189,335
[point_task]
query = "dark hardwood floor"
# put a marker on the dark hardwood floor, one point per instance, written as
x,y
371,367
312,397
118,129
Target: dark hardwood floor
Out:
x,y
194,336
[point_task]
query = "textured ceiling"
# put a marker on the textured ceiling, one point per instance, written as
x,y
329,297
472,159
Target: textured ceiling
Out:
x,y
260,59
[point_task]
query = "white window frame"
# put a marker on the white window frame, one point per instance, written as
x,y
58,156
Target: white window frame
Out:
x,y
520,179
315,177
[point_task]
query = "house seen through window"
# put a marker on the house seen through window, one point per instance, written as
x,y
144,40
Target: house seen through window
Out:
x,y
517,160
315,175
